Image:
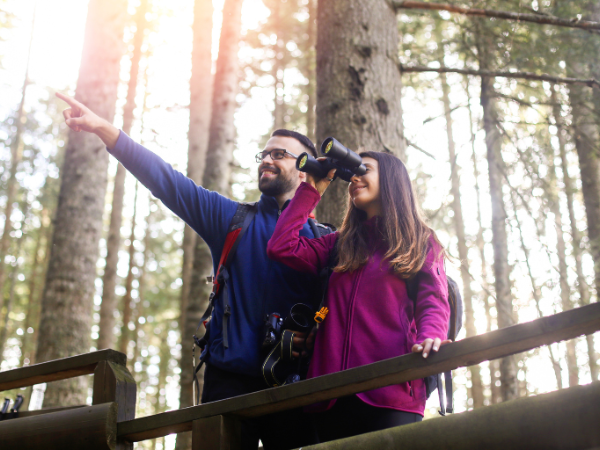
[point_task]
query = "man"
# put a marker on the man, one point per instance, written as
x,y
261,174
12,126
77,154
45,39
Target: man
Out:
x,y
258,286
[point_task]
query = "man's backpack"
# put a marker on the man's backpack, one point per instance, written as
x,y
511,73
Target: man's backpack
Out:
x,y
434,382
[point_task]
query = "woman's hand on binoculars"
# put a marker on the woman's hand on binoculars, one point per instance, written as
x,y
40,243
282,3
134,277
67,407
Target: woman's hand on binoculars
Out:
x,y
429,345
322,184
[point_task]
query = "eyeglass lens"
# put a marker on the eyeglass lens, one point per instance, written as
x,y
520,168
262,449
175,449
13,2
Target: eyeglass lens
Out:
x,y
275,154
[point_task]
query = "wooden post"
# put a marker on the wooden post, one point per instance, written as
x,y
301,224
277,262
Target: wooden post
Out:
x,y
85,428
114,383
216,433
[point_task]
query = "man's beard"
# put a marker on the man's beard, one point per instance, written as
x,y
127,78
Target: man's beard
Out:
x,y
275,186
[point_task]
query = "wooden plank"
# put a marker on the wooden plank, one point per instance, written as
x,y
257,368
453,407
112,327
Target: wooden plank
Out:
x,y
89,428
58,369
566,419
493,345
38,412
217,433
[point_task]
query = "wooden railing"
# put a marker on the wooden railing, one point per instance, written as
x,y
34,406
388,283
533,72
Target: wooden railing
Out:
x,y
72,427
216,425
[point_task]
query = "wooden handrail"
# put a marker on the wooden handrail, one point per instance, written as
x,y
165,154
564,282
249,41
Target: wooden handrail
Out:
x,y
470,351
58,369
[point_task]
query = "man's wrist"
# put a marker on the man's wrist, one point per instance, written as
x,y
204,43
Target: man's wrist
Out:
x,y
108,133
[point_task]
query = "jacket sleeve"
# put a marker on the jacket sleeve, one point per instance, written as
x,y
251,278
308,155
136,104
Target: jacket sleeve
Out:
x,y
207,212
288,247
432,310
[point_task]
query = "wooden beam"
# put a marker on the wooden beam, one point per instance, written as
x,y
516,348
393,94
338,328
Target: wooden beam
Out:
x,y
517,75
540,18
39,412
89,428
474,350
568,418
58,369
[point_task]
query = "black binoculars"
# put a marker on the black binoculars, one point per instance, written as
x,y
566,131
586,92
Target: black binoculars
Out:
x,y
299,319
347,162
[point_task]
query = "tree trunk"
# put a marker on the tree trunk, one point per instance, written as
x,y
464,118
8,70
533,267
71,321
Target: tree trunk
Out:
x,y
32,298
537,295
127,309
493,365
278,67
13,278
16,151
67,300
201,93
215,162
310,70
565,290
459,228
508,370
106,337
358,84
200,113
221,143
587,144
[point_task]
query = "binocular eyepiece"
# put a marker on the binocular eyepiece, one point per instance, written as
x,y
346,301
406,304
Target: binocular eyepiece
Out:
x,y
339,157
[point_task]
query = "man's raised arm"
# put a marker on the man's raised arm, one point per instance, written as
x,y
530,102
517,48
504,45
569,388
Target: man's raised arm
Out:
x,y
80,118
208,213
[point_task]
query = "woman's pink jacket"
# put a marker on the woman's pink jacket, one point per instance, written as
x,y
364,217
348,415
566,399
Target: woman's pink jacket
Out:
x,y
371,317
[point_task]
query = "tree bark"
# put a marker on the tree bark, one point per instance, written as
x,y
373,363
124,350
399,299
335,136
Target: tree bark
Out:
x,y
590,82
127,299
106,337
358,87
67,299
459,228
544,19
278,67
201,94
504,307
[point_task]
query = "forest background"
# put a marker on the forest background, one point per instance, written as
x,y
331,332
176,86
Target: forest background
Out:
x,y
505,166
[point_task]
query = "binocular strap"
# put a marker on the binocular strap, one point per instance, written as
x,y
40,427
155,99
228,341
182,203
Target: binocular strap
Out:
x,y
282,352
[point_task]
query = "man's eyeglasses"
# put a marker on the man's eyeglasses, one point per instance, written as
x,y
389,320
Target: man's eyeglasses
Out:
x,y
277,153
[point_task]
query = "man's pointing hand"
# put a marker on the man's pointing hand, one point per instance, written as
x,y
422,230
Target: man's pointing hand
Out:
x,y
80,118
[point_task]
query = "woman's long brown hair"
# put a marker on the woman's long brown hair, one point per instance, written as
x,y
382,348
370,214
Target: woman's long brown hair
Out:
x,y
403,229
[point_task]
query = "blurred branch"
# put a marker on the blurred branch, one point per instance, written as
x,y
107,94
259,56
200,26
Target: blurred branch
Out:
x,y
544,19
488,73
413,145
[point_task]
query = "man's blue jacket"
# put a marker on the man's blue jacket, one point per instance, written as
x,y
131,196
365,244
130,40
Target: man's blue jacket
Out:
x,y
258,285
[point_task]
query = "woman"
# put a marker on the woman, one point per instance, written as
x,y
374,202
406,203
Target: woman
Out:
x,y
382,243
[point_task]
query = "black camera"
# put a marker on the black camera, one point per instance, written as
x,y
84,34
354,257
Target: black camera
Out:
x,y
347,162
299,319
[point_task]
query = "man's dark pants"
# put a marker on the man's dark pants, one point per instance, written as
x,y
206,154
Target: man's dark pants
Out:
x,y
279,431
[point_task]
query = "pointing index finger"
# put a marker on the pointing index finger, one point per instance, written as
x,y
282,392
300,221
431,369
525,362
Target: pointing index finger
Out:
x,y
71,101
